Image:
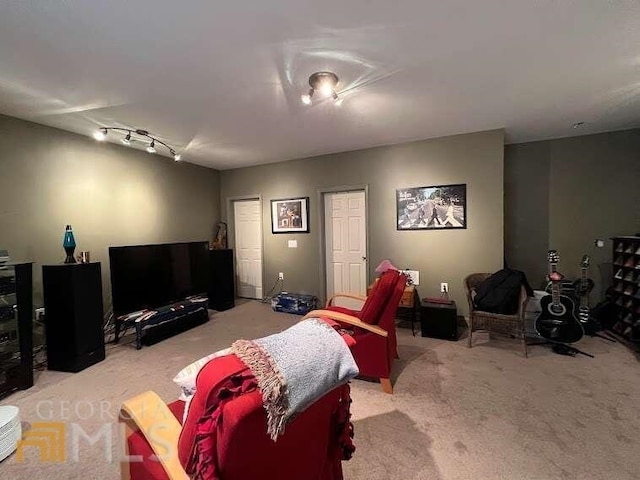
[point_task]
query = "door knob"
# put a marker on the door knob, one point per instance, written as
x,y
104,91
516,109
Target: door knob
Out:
x,y
364,259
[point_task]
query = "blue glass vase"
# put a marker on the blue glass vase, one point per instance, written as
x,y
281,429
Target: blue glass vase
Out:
x,y
69,244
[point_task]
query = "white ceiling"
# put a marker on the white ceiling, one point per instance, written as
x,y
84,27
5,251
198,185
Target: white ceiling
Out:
x,y
221,81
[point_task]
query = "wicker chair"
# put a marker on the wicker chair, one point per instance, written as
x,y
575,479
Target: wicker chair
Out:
x,y
510,325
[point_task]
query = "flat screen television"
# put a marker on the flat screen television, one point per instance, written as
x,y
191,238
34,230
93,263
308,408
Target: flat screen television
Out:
x,y
152,276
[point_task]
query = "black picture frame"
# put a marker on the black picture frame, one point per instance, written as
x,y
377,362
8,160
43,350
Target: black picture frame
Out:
x,y
415,207
290,215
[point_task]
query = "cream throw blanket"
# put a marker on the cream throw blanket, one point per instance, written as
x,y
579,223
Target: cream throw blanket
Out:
x,y
296,367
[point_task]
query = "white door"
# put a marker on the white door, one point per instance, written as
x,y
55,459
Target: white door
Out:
x,y
346,243
248,243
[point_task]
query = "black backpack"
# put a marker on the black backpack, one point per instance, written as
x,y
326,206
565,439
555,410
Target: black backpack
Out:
x,y
500,292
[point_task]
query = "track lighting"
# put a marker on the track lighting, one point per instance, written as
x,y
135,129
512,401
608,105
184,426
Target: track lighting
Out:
x,y
101,135
324,83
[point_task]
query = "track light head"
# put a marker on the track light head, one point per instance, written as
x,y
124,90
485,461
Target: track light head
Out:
x,y
100,134
306,99
151,147
127,140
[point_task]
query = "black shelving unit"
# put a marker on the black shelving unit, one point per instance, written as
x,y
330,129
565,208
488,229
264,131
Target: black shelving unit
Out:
x,y
626,286
16,327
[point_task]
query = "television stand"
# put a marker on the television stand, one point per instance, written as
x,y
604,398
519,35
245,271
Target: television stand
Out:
x,y
163,322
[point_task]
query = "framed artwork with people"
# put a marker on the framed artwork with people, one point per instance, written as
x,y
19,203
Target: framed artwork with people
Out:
x,y
439,207
290,215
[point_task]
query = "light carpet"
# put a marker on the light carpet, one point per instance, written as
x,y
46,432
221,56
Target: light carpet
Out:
x,y
457,413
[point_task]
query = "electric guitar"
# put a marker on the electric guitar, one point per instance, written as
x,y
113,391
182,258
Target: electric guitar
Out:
x,y
582,288
557,322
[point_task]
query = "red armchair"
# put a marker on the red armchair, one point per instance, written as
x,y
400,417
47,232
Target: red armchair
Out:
x,y
374,326
224,436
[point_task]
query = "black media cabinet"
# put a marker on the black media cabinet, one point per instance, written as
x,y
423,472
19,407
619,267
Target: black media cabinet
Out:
x,y
16,327
157,324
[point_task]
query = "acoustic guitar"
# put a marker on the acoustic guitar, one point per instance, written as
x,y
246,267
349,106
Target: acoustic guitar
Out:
x,y
557,322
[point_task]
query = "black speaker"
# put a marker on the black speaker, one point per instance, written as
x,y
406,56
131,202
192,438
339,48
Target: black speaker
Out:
x,y
73,316
221,280
439,320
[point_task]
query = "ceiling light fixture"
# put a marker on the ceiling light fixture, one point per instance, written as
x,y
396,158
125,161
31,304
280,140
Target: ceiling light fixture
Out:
x,y
324,84
101,135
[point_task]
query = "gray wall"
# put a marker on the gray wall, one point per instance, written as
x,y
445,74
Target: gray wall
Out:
x,y
110,194
441,255
593,191
526,209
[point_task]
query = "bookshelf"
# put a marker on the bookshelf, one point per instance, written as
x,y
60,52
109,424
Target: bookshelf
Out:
x,y
626,286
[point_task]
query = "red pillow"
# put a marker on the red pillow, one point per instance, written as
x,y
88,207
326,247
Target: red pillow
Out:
x,y
373,307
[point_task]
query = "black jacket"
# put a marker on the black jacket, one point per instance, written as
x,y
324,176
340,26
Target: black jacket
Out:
x,y
500,292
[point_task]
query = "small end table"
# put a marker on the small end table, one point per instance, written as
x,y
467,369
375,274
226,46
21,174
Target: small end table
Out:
x,y
439,320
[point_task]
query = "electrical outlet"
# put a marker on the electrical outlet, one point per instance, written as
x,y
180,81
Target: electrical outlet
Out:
x,y
280,275
598,243
444,287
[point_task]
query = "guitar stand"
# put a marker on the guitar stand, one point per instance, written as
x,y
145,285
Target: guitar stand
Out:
x,y
562,348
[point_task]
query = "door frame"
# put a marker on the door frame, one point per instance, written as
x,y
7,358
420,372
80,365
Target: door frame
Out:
x,y
322,231
231,231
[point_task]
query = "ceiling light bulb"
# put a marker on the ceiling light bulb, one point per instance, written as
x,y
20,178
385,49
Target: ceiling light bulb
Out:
x,y
150,148
100,135
306,99
177,157
127,140
326,89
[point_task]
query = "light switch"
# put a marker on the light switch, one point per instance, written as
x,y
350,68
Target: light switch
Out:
x,y
599,243
293,244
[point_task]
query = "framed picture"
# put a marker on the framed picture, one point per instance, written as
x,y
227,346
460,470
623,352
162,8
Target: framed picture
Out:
x,y
290,215
431,208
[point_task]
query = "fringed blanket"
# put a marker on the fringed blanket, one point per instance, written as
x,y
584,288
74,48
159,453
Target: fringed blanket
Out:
x,y
296,367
